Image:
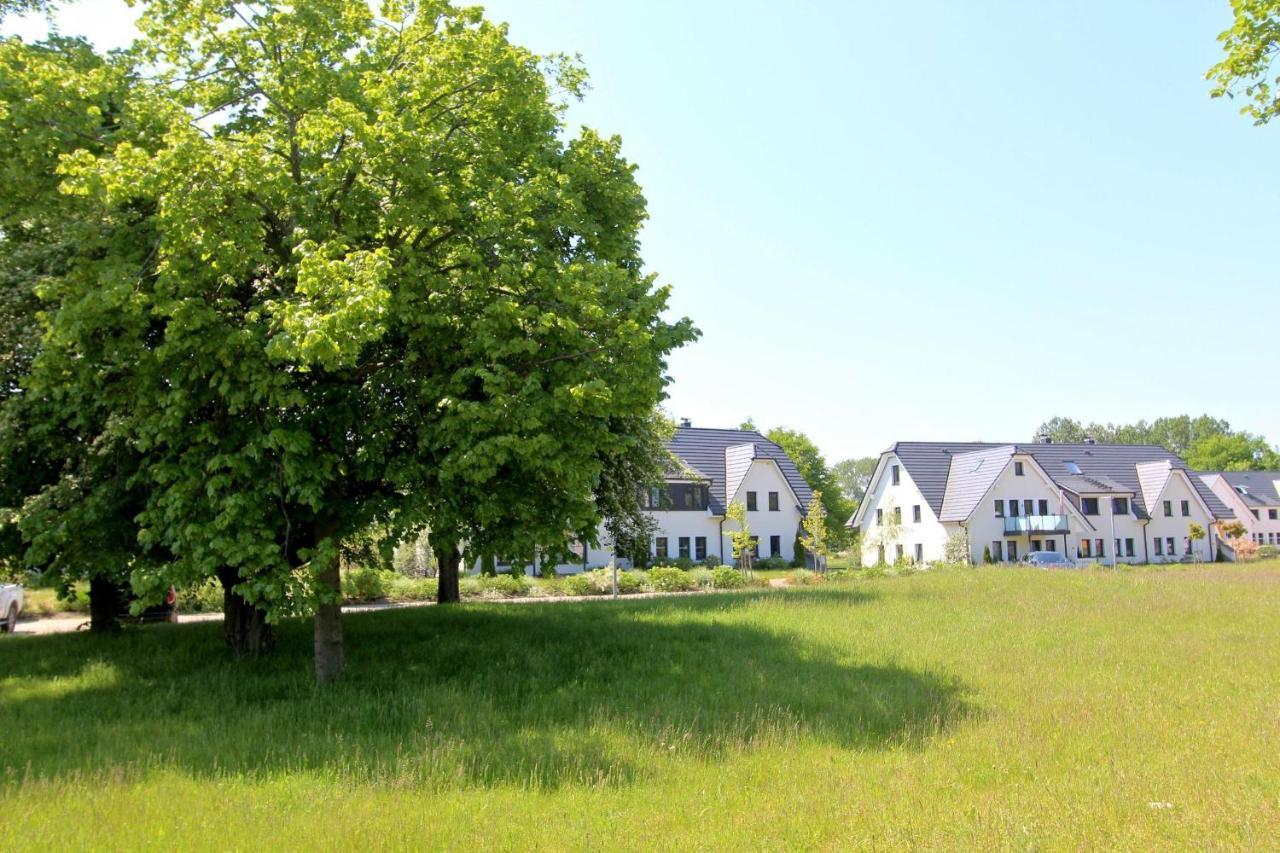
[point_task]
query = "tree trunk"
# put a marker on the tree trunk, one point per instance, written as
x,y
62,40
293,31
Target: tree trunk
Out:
x,y
104,605
328,623
244,626
447,591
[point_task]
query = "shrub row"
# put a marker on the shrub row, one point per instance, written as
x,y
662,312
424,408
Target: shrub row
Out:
x,y
366,584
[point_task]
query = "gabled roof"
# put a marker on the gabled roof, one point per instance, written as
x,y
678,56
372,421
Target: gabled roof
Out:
x,y
971,475
1261,488
704,450
1096,468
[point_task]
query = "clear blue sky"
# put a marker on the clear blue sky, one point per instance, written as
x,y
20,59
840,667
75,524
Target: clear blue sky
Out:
x,y
935,220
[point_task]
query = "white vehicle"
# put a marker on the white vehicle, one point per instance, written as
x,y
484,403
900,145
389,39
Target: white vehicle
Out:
x,y
10,606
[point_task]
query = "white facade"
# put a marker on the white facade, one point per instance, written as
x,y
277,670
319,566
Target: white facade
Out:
x,y
1257,507
1009,506
922,541
689,509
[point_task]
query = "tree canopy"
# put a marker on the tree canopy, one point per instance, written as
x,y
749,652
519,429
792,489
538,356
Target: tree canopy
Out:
x,y
1206,443
1251,44
332,269
813,467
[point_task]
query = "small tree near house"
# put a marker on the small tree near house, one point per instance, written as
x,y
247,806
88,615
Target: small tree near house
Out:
x,y
740,539
957,548
1231,529
814,523
886,534
1195,533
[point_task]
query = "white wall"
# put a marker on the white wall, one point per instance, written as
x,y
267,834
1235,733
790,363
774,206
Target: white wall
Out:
x,y
1178,489
763,477
1263,525
929,533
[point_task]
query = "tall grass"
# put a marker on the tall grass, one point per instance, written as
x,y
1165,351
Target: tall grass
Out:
x,y
990,707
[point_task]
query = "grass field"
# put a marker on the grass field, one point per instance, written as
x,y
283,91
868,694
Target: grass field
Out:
x,y
978,708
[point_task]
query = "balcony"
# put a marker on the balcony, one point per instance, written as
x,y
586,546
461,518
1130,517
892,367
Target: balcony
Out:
x,y
1023,525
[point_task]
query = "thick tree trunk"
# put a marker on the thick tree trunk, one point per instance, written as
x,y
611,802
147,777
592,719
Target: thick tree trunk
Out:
x,y
244,626
447,591
104,605
328,625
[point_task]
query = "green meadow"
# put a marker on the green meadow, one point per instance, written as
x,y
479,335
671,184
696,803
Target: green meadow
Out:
x,y
974,708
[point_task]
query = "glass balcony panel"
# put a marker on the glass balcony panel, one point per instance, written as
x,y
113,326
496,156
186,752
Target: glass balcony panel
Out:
x,y
1023,525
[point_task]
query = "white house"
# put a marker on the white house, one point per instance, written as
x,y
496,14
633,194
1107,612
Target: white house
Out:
x,y
715,468
1254,499
1106,502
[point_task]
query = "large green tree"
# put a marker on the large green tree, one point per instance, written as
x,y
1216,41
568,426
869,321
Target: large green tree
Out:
x,y
813,467
385,287
65,470
1206,443
1249,71
854,476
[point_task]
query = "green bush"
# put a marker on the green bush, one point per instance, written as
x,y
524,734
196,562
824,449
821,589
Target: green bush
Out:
x,y
504,586
711,561
548,587
469,586
205,598
685,563
401,588
728,578
583,583
702,578
804,577
365,584
1268,552
841,574
670,580
600,582
772,563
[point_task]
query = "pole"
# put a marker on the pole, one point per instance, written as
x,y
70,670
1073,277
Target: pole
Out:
x,y
1114,546
615,578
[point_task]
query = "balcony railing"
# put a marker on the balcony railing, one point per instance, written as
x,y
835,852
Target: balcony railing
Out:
x,y
1017,525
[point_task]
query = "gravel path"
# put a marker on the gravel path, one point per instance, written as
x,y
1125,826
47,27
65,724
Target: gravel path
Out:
x,y
66,624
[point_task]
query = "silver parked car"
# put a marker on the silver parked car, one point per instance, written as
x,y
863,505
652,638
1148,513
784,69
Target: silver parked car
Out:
x,y
1048,560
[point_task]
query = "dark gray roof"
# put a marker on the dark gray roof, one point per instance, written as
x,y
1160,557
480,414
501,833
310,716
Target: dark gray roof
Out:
x,y
703,450
1259,486
928,463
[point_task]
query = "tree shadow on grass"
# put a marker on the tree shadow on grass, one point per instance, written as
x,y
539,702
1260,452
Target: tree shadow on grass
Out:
x,y
532,695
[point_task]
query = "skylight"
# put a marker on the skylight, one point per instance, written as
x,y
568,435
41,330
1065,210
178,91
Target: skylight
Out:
x,y
1072,468
1242,490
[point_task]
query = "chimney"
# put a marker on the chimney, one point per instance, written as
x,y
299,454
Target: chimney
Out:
x,y
1088,439
685,422
1044,438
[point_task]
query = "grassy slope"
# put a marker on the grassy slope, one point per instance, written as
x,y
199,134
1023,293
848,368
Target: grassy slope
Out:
x,y
990,707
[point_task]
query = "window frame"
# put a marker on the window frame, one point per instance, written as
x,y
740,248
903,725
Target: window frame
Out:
x,y
895,475
773,502
752,502
775,546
